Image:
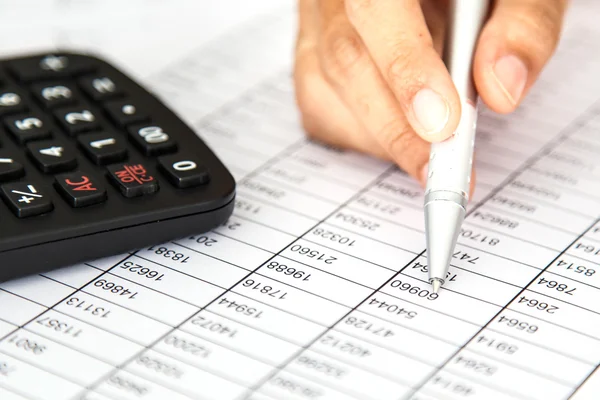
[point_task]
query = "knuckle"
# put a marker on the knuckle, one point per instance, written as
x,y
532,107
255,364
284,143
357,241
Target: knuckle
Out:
x,y
355,8
342,51
402,75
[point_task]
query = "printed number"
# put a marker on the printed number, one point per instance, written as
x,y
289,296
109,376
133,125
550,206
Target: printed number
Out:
x,y
240,308
187,346
561,287
469,234
577,269
142,271
518,324
476,366
392,308
314,254
213,326
357,221
320,366
264,289
450,277
59,326
244,205
334,237
407,287
88,307
369,327
205,240
587,248
538,305
27,344
345,346
114,288
172,254
160,366
290,271
502,347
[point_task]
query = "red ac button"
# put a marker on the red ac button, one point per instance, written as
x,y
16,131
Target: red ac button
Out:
x,y
84,184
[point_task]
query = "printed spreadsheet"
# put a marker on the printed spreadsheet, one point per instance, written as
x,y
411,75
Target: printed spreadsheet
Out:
x,y
316,287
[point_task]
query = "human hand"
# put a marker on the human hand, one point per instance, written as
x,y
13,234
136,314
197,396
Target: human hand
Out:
x,y
369,75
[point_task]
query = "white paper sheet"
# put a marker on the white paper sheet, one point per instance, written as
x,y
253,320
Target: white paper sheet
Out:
x,y
316,287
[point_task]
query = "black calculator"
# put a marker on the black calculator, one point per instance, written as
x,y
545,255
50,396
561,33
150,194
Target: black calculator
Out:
x,y
92,165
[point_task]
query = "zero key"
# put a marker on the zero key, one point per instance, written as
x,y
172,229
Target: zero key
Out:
x,y
183,171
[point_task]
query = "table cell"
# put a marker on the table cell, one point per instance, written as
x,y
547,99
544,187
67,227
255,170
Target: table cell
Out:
x,y
125,385
418,318
254,234
345,378
344,265
33,382
447,302
239,337
213,358
400,187
140,299
522,205
505,378
239,159
378,360
590,388
113,318
274,193
576,269
266,318
168,281
349,159
408,342
520,227
496,243
272,215
292,300
594,232
54,357
223,248
548,335
468,283
378,229
529,357
197,265
84,337
587,249
558,312
362,245
6,395
183,377
489,174
258,396
285,385
445,385
388,209
38,288
92,396
568,290
567,180
18,310
107,263
286,174
75,276
314,281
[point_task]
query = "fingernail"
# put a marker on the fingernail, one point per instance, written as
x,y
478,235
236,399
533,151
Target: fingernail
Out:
x,y
430,110
511,74
423,174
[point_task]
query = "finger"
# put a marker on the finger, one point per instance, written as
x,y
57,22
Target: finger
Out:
x,y
325,118
347,65
513,47
396,35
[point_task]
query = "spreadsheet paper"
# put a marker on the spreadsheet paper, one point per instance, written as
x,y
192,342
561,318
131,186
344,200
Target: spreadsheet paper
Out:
x,y
316,287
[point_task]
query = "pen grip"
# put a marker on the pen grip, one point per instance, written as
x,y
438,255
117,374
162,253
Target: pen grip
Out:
x,y
451,161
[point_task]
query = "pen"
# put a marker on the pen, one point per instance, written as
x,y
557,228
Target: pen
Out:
x,y
450,161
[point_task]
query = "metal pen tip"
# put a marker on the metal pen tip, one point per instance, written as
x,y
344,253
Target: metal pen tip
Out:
x,y
436,283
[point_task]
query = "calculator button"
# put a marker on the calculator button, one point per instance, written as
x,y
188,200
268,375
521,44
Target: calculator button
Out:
x,y
76,119
132,180
27,127
80,189
11,101
50,66
52,156
152,140
10,169
55,94
26,199
124,112
99,87
103,148
182,171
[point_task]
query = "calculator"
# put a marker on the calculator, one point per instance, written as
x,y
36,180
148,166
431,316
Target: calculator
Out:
x,y
92,165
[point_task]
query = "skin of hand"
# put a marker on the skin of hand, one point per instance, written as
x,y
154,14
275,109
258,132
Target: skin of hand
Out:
x,y
369,75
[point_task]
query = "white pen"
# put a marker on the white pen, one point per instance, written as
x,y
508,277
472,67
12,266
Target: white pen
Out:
x,y
450,161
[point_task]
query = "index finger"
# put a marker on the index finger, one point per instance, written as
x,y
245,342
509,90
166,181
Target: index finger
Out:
x,y
396,35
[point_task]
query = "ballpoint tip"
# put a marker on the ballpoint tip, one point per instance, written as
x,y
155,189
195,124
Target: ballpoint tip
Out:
x,y
436,283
